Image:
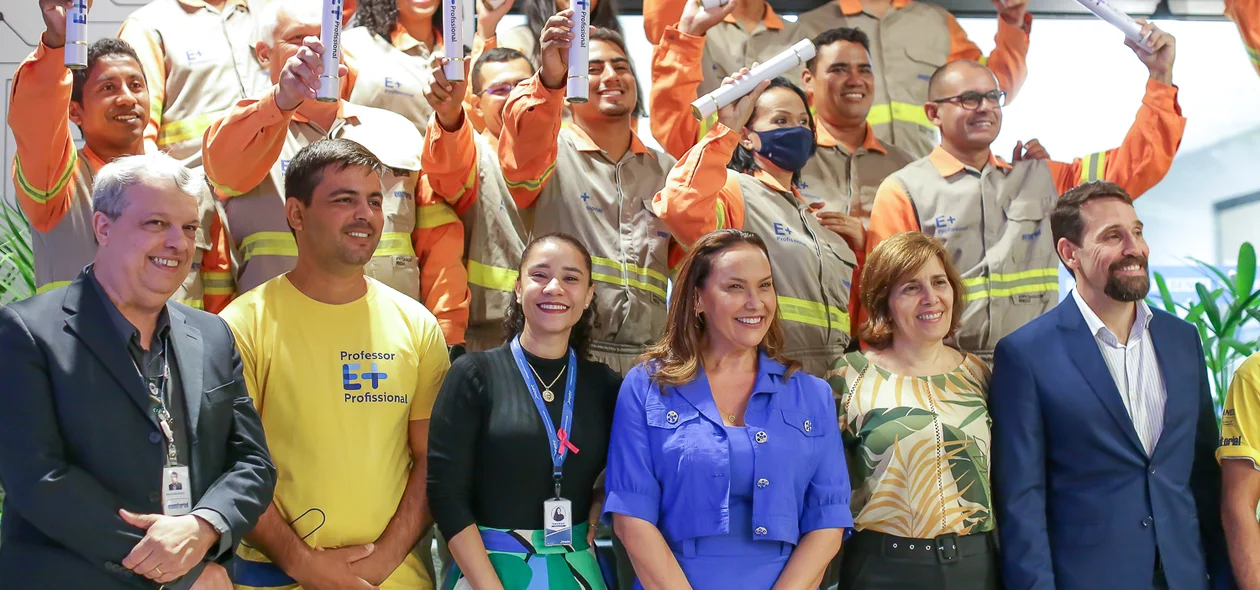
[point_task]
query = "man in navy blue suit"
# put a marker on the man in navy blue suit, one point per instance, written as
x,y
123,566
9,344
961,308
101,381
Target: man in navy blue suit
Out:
x,y
1103,426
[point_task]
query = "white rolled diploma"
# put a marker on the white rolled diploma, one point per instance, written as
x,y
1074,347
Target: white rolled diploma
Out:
x,y
76,35
705,106
453,39
330,36
714,4
1119,20
578,87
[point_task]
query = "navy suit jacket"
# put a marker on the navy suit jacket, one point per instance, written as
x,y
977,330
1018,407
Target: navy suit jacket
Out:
x,y
1080,505
78,440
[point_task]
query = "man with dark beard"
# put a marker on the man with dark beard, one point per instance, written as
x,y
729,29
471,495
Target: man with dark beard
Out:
x,y
1104,432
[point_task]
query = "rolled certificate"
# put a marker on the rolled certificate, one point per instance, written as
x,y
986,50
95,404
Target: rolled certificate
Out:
x,y
579,85
714,4
705,106
330,35
453,39
76,35
1119,20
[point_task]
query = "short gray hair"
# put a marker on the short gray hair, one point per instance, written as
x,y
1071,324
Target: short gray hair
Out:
x,y
268,17
109,195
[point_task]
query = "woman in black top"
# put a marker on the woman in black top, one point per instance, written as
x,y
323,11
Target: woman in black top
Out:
x,y
490,471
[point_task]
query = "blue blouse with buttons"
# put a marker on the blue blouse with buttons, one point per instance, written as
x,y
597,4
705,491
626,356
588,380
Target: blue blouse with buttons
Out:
x,y
732,502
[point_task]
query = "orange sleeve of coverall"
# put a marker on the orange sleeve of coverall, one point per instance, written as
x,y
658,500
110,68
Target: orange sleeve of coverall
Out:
x,y
218,287
1146,154
153,63
439,243
700,194
1245,14
660,14
676,76
527,143
891,214
449,161
239,149
1009,60
46,160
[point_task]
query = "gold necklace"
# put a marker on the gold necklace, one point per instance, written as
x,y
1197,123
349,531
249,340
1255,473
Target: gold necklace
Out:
x,y
547,395
729,416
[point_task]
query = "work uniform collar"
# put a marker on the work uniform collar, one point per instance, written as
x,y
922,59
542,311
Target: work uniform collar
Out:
x,y
872,144
404,42
948,165
852,7
94,161
584,143
773,184
227,6
771,19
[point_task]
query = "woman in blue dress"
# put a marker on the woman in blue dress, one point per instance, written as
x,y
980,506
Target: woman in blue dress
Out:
x,y
726,467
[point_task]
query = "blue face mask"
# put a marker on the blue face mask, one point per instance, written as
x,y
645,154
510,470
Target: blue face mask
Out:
x,y
787,147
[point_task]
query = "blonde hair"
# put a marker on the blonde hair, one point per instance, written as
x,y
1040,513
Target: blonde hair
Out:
x,y
894,260
675,359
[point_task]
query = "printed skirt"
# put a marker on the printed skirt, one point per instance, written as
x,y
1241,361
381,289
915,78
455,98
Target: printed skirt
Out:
x,y
523,562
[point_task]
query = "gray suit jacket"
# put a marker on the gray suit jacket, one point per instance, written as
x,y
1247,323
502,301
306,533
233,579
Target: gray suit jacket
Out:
x,y
78,440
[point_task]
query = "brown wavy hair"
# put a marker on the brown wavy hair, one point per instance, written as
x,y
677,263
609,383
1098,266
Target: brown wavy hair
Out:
x,y
893,261
675,358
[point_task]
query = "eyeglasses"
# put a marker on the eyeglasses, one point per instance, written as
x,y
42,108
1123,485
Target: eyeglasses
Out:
x,y
971,100
501,90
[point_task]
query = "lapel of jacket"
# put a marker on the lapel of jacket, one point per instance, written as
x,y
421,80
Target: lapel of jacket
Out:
x,y
1181,386
89,320
1083,350
697,394
189,353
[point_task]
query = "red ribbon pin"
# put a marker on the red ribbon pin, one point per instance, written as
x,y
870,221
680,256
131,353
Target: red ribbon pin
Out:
x,y
564,441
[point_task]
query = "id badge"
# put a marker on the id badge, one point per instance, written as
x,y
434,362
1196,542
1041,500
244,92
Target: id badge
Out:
x,y
176,491
557,522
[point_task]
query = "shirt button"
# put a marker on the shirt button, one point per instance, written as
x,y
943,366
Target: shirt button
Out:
x,y
155,438
762,437
809,427
672,417
761,531
763,482
1152,472
1148,521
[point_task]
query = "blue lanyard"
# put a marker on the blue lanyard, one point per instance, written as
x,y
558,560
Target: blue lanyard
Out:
x,y
558,452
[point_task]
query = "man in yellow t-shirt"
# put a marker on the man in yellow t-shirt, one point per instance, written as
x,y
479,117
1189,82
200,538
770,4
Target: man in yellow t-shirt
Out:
x,y
344,371
1239,454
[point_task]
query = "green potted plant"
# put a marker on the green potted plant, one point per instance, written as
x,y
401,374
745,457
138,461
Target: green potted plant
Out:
x,y
17,259
1224,313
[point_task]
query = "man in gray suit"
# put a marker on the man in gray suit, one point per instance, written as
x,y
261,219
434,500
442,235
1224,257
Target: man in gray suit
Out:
x,y
110,392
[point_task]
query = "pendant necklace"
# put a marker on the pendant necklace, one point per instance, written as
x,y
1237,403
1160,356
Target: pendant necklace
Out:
x,y
547,395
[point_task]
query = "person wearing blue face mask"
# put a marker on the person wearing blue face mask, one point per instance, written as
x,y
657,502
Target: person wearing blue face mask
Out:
x,y
743,174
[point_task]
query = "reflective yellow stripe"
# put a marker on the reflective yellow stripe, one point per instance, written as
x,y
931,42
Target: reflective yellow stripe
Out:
x,y
626,281
813,313
1013,276
1093,166
217,283
491,277
225,189
41,196
721,215
155,109
193,303
535,184
1254,54
1034,288
468,184
437,215
275,243
50,286
984,60
706,125
639,270
186,129
883,114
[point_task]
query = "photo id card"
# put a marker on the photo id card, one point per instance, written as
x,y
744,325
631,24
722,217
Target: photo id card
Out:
x,y
557,522
176,491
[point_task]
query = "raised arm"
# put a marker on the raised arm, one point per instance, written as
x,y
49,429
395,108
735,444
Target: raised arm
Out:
x,y
46,160
1245,14
1009,60
677,73
531,117
449,157
1151,143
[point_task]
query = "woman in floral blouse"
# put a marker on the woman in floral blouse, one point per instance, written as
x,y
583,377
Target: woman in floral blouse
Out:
x,y
914,416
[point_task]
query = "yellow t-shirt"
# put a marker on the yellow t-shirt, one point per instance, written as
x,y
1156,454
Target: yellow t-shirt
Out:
x,y
336,386
1240,423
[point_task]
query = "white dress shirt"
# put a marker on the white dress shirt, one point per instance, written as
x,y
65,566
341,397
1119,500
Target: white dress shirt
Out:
x,y
1134,368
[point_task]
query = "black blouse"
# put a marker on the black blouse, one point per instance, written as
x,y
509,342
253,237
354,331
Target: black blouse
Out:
x,y
489,458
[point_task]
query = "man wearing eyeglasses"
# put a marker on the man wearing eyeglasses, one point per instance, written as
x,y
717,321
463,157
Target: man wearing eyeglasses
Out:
x,y
993,215
463,169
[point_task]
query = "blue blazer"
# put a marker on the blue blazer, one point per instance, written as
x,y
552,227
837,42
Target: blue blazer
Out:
x,y
1080,505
